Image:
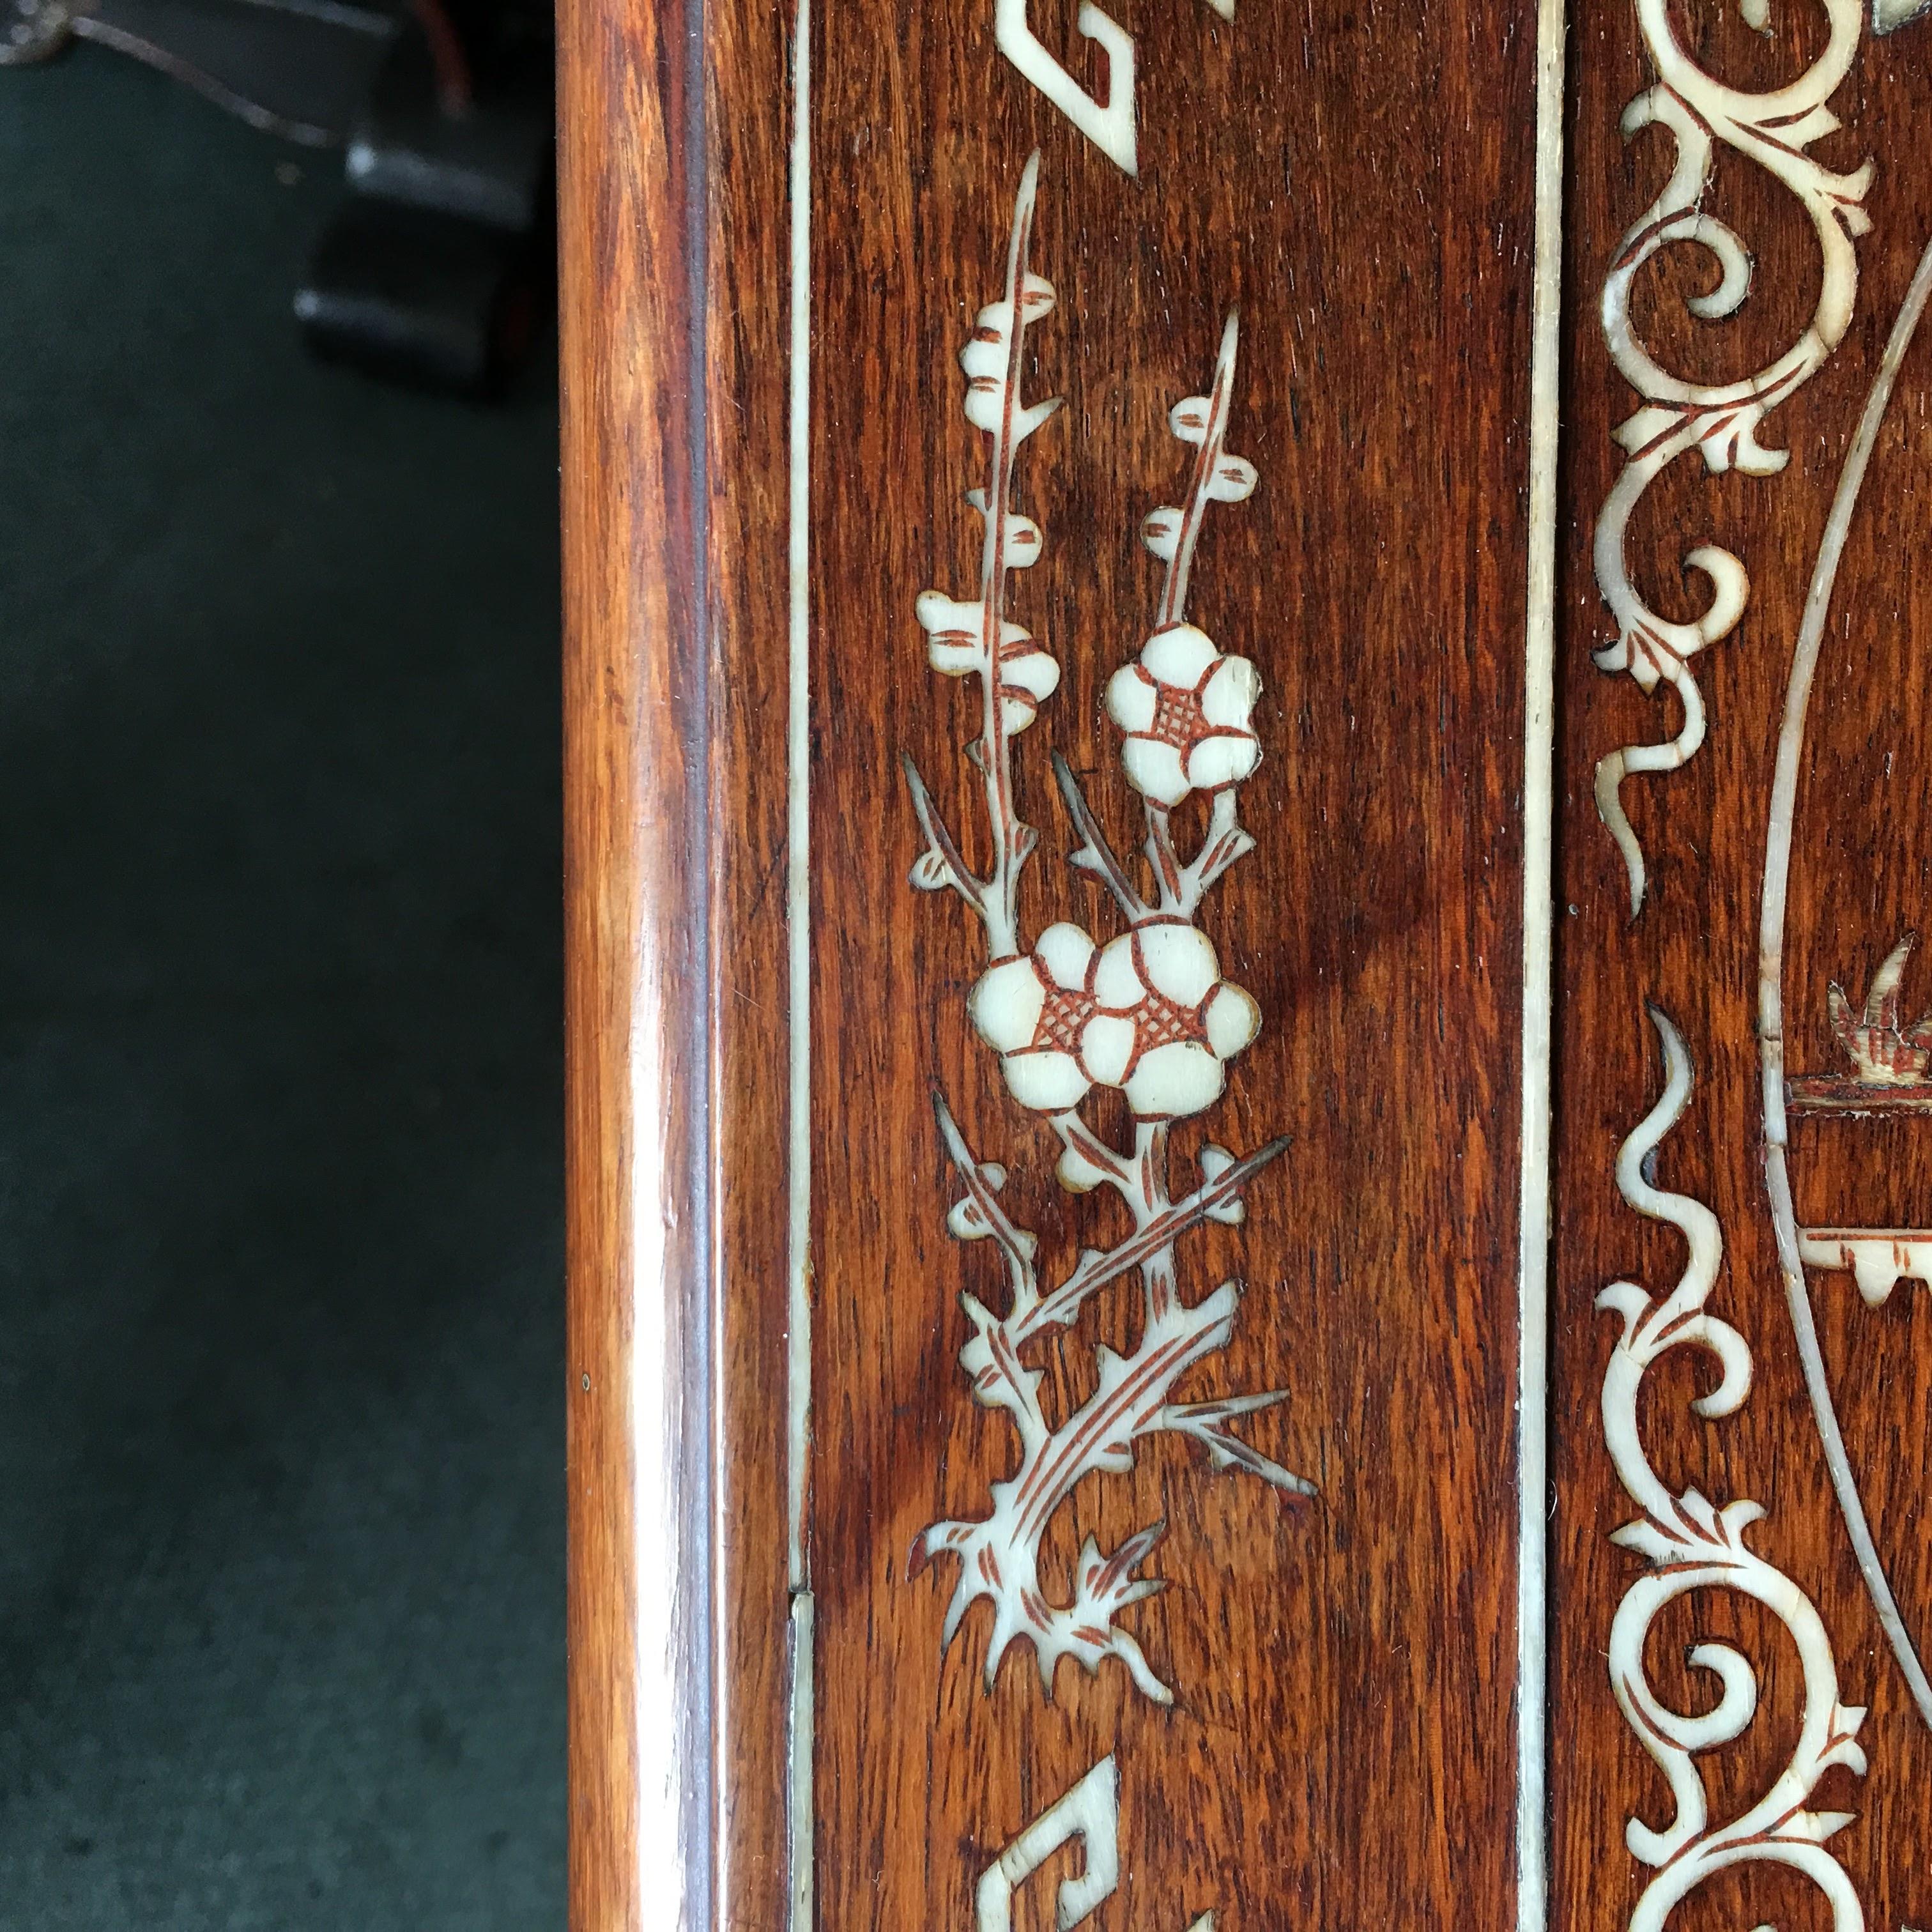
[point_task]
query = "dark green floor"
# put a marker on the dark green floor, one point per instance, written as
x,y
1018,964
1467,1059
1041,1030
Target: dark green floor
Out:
x,y
281,1443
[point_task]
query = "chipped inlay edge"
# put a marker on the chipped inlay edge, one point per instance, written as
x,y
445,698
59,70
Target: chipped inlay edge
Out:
x,y
1879,1258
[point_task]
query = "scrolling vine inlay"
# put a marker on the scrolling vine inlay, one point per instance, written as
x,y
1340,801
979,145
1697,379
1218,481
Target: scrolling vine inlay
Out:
x,y
1695,1545
1147,1013
1719,420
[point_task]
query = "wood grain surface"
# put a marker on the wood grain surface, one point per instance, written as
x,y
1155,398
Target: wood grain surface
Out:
x,y
1340,1749
671,183
638,1032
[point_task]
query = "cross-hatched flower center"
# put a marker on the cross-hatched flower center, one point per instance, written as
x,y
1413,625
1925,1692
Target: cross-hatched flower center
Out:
x,y
1158,1021
1178,718
1063,1017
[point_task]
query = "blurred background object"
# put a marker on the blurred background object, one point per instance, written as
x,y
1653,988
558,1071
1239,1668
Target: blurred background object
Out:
x,y
435,260
281,1544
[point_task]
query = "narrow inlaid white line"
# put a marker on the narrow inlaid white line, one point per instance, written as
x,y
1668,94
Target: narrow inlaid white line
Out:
x,y
798,917
798,857
799,1799
1539,805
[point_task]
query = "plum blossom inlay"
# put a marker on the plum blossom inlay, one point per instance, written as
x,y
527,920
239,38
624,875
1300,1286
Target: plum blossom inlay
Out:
x,y
1146,1012
1186,710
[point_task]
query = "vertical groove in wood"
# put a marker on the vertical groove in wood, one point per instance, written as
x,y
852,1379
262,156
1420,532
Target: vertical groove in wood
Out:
x,y
798,771
747,48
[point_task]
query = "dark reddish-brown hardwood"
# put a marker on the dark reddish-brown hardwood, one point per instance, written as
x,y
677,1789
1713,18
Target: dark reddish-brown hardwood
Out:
x,y
1342,1745
1358,178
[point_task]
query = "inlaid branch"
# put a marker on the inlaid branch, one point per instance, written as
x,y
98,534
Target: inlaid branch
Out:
x,y
1147,1013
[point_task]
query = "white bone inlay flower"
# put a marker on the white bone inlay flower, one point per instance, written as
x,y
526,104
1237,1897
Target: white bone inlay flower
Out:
x,y
1032,1012
1148,1013
1186,710
1174,1020
955,634
959,631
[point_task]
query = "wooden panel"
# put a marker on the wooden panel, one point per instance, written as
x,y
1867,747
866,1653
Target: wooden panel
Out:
x,y
1316,1718
799,1172
1340,1745
1857,880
